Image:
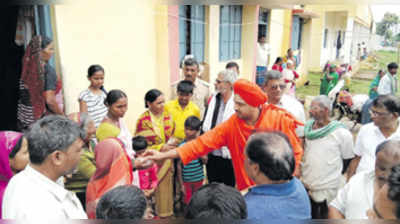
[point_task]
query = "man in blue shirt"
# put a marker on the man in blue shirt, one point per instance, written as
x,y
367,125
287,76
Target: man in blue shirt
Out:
x,y
270,163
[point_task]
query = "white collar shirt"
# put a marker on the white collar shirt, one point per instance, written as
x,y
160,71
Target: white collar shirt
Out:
x,y
296,108
356,197
322,166
368,138
31,195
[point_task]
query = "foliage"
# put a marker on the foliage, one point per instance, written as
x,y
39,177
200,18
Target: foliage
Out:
x,y
383,27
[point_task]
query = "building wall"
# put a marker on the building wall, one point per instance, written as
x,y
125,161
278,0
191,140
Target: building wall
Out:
x,y
343,17
334,22
276,34
121,36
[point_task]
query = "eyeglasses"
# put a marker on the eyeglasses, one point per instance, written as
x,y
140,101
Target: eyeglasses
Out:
x,y
281,86
376,113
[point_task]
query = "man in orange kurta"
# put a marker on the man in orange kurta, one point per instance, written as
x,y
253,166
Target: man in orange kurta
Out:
x,y
251,115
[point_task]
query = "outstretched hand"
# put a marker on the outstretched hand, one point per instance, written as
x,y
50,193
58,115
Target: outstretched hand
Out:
x,y
142,163
154,155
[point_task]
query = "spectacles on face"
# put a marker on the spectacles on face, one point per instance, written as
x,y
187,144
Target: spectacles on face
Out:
x,y
281,86
376,113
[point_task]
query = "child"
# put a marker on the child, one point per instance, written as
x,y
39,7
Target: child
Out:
x,y
191,176
91,100
148,177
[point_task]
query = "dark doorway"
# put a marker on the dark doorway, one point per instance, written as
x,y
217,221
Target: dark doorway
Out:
x,y
10,67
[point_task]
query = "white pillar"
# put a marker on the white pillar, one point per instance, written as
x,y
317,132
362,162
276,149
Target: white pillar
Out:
x,y
348,53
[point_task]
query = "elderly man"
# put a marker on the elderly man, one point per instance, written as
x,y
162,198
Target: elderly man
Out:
x,y
251,113
388,83
270,163
357,196
55,145
201,91
322,167
220,109
274,86
385,112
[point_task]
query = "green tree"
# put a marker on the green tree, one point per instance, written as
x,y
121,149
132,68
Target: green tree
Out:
x,y
383,28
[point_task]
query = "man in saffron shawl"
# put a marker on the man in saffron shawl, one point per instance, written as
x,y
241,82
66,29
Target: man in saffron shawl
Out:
x,y
251,114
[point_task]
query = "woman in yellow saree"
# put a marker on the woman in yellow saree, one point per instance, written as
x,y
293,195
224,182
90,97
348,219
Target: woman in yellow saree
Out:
x,y
157,126
113,125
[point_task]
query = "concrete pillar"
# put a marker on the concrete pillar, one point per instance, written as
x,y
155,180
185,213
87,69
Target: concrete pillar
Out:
x,y
348,42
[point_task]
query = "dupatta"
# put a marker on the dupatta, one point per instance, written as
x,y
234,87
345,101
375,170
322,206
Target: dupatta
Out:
x,y
113,169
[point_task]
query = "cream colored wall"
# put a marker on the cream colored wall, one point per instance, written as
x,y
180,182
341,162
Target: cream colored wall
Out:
x,y
249,41
364,14
316,36
334,21
162,49
276,34
121,36
287,31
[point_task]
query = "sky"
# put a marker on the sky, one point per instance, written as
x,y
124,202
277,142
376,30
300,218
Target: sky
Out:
x,y
379,10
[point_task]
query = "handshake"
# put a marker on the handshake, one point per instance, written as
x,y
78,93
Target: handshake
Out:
x,y
150,156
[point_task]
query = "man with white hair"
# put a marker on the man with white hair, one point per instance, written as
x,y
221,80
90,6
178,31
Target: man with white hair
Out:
x,y
327,144
274,86
220,108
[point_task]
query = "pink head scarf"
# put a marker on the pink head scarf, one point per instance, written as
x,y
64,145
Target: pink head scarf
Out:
x,y
8,140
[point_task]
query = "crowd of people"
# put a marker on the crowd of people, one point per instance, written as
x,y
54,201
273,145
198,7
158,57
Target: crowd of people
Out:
x,y
246,151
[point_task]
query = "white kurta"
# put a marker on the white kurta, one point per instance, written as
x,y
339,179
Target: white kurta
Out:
x,y
293,106
322,166
368,138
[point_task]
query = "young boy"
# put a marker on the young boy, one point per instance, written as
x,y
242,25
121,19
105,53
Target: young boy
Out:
x,y
191,176
148,177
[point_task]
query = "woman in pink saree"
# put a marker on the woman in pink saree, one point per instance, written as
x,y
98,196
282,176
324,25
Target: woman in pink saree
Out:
x,y
14,157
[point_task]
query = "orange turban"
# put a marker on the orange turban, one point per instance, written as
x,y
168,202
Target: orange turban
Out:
x,y
249,92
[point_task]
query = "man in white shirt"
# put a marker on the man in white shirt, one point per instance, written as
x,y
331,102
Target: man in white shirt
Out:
x,y
55,145
385,112
263,51
388,83
327,145
274,86
220,109
357,196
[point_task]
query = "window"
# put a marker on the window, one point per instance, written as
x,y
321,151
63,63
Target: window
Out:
x,y
191,31
263,22
325,37
297,28
230,32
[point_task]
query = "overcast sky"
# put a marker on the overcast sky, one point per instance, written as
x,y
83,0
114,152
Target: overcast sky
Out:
x,y
379,10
